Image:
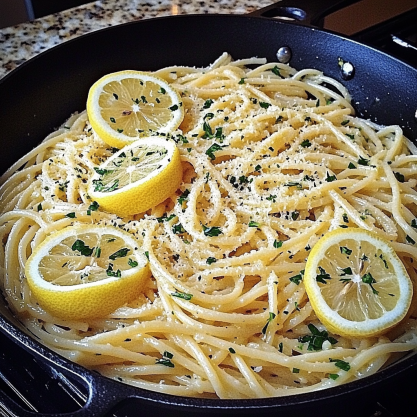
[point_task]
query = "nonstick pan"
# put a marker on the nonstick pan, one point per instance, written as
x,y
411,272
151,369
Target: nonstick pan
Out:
x,y
42,93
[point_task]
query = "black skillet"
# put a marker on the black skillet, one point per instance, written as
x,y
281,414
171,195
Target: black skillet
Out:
x,y
39,95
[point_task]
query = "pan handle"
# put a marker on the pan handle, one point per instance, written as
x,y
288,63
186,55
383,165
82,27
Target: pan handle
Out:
x,y
101,400
304,12
89,394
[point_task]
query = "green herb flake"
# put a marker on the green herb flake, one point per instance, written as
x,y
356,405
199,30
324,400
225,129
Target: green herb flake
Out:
x,y
208,103
345,366
369,279
211,260
111,273
330,178
213,148
132,263
270,318
306,143
294,215
81,247
182,295
212,231
345,251
178,229
323,276
363,161
164,218
121,253
71,215
231,350
296,279
316,339
276,71
183,197
278,243
253,224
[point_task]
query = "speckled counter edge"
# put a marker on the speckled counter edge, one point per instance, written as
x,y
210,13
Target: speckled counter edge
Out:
x,y
21,42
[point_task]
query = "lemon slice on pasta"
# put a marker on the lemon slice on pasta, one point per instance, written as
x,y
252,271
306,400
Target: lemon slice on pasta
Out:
x,y
356,283
86,271
126,105
138,177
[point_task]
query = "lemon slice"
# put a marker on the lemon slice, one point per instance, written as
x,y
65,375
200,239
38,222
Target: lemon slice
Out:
x,y
138,177
86,271
126,105
356,283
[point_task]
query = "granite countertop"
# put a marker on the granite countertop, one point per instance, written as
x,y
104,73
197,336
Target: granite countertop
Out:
x,y
21,42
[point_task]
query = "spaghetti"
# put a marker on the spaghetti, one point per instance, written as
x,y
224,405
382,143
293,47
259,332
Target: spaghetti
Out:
x,y
273,158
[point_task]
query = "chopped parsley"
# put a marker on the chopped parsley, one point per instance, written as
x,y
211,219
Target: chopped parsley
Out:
x,y
132,263
183,196
81,247
330,178
182,295
369,279
213,148
341,364
264,104
208,103
164,218
278,243
178,229
276,71
212,231
270,318
323,276
121,253
211,260
166,360
296,279
345,250
363,161
111,273
316,339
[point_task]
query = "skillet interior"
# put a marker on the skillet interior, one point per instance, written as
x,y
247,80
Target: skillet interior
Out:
x,y
42,93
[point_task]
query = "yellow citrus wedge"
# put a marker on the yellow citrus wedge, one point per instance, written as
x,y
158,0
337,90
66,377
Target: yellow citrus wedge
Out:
x,y
356,283
126,105
137,177
86,271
